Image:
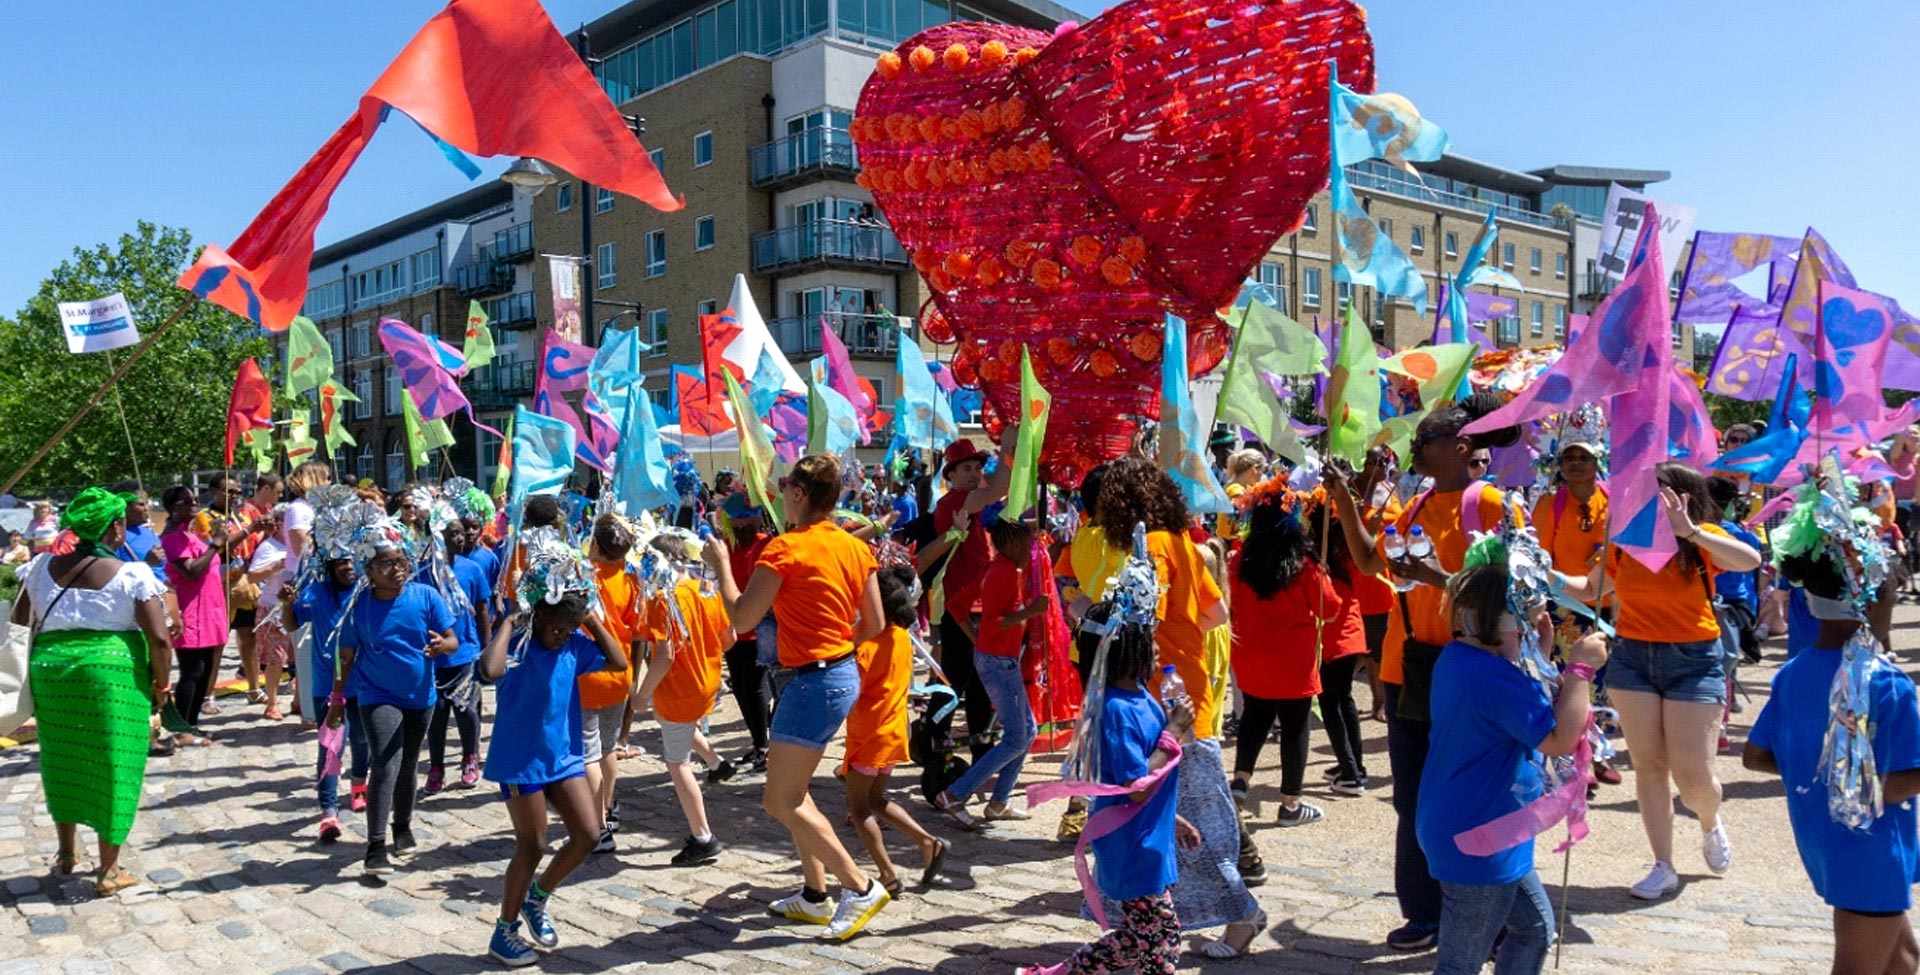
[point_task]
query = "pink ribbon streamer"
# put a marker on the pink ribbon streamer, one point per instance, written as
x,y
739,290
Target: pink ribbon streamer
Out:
x,y
331,740
1108,820
1568,802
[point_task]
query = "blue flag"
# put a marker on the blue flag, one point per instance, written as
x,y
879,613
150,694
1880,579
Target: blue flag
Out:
x,y
1768,456
542,457
1182,444
1380,126
922,413
640,476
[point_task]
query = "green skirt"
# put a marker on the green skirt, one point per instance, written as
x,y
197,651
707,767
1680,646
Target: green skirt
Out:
x,y
90,700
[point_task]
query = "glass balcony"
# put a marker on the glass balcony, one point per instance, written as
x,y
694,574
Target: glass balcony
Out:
x,y
827,242
514,243
501,384
1401,184
813,154
1593,286
867,336
512,311
474,280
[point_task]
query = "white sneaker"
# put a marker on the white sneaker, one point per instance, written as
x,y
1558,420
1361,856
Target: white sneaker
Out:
x,y
1718,850
796,907
1658,883
855,910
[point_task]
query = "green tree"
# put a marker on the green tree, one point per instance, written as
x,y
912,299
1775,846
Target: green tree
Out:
x,y
175,397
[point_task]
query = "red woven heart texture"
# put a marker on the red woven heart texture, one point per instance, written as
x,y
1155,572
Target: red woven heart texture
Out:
x,y
1065,192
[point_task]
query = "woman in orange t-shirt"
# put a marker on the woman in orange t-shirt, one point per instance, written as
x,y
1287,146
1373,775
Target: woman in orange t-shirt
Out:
x,y
1666,677
877,732
818,581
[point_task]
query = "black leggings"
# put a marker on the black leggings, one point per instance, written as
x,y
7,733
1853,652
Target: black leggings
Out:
x,y
450,682
749,682
1341,716
393,744
1256,719
190,692
956,659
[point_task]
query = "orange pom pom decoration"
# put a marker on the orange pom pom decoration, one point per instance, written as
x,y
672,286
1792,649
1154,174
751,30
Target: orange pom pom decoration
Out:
x,y
864,179
1134,249
889,181
925,262
989,115
929,128
1013,111
992,371
990,271
1060,350
1084,250
992,53
940,280
969,124
1016,161
1047,273
956,57
977,170
997,161
950,127
1102,363
888,65
1025,55
1040,154
922,58
1021,253
1117,272
936,178
910,175
1145,345
959,264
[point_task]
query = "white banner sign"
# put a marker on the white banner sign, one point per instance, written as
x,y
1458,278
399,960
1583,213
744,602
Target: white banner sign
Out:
x,y
1621,228
564,272
96,326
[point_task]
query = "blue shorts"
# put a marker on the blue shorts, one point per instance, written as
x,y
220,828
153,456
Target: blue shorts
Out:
x,y
814,703
1690,672
514,790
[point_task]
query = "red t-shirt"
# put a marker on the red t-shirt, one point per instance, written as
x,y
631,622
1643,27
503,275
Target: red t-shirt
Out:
x,y
967,565
1273,638
744,557
1000,594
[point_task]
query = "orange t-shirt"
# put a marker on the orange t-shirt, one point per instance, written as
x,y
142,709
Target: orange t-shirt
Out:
x,y
685,695
1375,593
877,725
1187,591
823,572
620,612
1439,518
1669,606
1561,535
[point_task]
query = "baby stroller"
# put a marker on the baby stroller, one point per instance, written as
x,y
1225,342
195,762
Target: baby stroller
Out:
x,y
928,744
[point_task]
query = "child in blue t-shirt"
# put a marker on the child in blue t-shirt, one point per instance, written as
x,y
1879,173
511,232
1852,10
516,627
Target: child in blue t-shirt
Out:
x,y
1135,864
321,605
537,756
1866,875
456,691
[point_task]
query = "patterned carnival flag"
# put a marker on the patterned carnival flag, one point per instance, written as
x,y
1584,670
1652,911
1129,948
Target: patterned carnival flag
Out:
x,y
1183,445
260,444
1638,418
503,464
923,414
1691,435
1353,393
1378,126
833,426
738,338
1437,372
543,455
333,431
1023,487
299,445
565,367
1851,334
1765,457
756,451
423,436
840,376
1267,346
249,406
477,349
427,367
309,357
1708,294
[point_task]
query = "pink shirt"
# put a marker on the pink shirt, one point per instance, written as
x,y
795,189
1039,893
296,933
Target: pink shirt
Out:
x,y
203,600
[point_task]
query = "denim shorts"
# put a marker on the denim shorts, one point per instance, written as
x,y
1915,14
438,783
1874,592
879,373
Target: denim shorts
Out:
x,y
1691,672
814,703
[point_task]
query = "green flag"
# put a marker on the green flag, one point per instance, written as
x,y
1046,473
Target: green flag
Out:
x,y
756,451
309,357
299,445
504,468
1023,488
260,442
1439,371
478,348
1353,394
816,418
422,436
333,431
1268,344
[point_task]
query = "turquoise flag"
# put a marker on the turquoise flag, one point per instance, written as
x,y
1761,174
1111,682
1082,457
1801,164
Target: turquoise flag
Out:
x,y
542,458
1182,443
1379,126
924,415
641,478
833,424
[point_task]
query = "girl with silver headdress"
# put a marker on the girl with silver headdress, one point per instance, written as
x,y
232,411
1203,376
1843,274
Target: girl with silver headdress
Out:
x,y
536,752
456,689
389,639
319,599
1842,729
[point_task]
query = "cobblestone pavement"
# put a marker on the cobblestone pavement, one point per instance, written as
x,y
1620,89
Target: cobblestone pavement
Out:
x,y
236,883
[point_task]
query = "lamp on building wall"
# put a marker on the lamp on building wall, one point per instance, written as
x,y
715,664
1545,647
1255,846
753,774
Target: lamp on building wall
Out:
x,y
530,174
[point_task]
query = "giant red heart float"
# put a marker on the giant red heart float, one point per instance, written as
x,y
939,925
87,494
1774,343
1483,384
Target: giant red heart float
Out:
x,y
1064,192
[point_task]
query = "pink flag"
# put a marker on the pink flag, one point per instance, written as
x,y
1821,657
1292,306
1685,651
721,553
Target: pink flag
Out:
x,y
1690,429
841,377
1638,417
429,368
1850,339
563,369
563,364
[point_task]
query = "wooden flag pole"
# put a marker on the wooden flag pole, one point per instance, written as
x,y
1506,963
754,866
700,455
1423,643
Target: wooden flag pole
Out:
x,y
98,395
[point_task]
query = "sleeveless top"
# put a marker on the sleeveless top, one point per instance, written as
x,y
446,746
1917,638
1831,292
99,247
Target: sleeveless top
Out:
x,y
108,608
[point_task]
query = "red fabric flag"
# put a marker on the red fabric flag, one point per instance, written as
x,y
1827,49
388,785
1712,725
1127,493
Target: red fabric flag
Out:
x,y
250,407
701,414
491,77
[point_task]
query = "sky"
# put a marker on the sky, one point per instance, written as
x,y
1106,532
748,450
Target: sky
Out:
x,y
193,113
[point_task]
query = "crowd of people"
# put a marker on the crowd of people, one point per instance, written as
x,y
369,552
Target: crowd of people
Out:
x,y
860,600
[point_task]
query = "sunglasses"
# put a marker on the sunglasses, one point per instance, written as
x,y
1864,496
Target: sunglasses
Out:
x,y
1478,462
389,565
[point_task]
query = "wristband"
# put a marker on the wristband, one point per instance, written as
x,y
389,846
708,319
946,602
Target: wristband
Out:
x,y
1583,671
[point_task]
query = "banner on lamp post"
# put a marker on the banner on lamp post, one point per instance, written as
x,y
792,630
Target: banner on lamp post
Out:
x,y
565,275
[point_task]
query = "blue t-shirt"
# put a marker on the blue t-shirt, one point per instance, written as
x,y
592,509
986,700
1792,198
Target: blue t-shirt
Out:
x,y
1136,860
1488,719
1802,628
389,637
1740,587
319,604
142,539
1873,870
489,563
536,722
473,581
907,507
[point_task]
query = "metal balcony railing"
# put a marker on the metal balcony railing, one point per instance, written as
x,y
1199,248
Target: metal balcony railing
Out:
x,y
514,243
513,311
813,153
1592,286
1406,186
868,336
474,280
827,242
502,384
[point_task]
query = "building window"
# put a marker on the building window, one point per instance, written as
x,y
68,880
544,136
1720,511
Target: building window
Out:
x,y
1451,243
702,149
606,265
426,323
362,388
1559,321
1533,260
1560,266
657,332
1417,239
1310,287
1539,320
337,344
396,465
1343,290
707,307
425,267
656,253
1273,274
390,392
1676,336
1506,256
602,199
1312,223
703,233
659,157
563,197
1386,227
362,338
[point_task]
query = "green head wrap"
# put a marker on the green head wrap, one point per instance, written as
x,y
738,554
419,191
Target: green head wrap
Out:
x,y
92,512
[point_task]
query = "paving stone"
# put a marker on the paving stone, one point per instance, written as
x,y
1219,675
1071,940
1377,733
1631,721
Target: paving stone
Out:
x,y
49,924
235,930
388,907
344,961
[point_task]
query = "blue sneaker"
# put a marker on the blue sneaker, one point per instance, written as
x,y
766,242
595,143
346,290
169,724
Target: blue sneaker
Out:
x,y
534,912
509,948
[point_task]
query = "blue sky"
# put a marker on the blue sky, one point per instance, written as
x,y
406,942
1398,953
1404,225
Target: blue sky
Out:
x,y
194,112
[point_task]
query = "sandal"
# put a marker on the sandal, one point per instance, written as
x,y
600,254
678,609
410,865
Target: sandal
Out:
x,y
273,714
934,863
163,747
893,887
1224,948
66,864
118,881
256,696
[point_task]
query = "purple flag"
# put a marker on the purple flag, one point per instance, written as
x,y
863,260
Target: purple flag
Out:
x,y
1690,432
563,364
1480,308
563,369
1707,292
1751,354
1638,418
425,366
842,379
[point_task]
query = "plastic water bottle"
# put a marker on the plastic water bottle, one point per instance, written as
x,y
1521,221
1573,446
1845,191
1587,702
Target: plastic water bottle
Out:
x,y
1173,690
1395,547
1419,546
